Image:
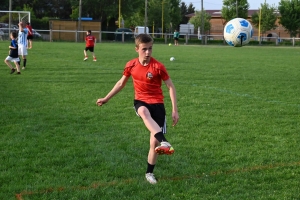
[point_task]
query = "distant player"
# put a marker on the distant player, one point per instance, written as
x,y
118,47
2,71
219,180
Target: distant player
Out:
x,y
176,37
13,54
22,43
30,35
90,44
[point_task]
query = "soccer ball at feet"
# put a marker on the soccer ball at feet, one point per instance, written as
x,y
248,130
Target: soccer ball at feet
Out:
x,y
172,59
238,32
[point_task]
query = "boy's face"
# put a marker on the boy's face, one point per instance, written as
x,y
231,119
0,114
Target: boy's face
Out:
x,y
145,51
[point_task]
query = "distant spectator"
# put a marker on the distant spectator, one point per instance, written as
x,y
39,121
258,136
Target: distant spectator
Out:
x,y
176,37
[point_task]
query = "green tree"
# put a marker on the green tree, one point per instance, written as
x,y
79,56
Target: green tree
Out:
x,y
136,19
175,13
108,11
234,8
184,12
197,20
191,9
268,18
290,16
28,8
159,14
4,5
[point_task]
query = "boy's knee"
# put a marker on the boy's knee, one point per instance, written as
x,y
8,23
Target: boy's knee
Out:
x,y
143,111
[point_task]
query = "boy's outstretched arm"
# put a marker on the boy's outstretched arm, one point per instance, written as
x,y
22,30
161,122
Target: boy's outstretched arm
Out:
x,y
172,91
117,88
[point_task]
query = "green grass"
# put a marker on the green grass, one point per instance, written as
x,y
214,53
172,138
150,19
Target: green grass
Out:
x,y
237,138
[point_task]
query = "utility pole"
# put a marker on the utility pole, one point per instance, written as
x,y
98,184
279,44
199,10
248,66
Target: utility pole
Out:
x,y
79,20
119,14
202,22
146,18
162,18
9,23
237,9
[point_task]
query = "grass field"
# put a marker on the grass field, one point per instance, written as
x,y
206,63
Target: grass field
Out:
x,y
237,138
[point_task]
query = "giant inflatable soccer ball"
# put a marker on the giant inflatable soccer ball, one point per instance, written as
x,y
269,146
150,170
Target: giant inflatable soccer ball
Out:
x,y
238,32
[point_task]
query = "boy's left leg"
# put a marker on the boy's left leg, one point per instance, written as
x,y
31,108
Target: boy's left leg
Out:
x,y
152,158
24,61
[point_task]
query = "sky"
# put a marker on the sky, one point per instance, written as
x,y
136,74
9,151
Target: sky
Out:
x,y
217,4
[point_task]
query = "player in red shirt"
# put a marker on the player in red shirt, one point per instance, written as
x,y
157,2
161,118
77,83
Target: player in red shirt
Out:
x,y
90,42
147,75
29,35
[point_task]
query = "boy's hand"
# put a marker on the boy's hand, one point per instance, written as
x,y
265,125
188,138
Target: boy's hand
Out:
x,y
101,101
175,118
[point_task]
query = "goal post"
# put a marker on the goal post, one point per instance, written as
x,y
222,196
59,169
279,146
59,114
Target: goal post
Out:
x,y
9,21
16,16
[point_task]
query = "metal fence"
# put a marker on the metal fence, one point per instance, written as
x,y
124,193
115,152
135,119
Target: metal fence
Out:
x,y
128,37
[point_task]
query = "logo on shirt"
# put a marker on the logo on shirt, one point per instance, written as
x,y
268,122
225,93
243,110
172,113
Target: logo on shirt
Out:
x,y
149,75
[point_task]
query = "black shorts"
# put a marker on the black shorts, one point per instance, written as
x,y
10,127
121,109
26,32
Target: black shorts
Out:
x,y
176,38
29,37
91,49
157,112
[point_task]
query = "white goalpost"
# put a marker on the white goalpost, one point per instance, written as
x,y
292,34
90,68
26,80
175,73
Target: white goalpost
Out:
x,y
13,18
19,15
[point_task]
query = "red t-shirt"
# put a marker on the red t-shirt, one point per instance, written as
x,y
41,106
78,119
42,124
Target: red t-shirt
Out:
x,y
30,30
90,41
147,80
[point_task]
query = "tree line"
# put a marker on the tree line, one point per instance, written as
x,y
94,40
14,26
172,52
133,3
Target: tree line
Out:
x,y
132,11
166,14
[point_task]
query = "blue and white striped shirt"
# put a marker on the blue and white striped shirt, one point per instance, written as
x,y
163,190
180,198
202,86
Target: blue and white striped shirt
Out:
x,y
22,38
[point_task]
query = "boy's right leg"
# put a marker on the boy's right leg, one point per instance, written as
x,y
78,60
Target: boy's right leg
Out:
x,y
155,130
18,67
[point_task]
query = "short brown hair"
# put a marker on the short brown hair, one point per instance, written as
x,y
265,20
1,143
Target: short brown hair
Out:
x,y
14,34
143,38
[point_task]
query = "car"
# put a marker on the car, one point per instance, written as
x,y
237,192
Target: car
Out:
x,y
3,25
1,35
4,28
128,34
15,27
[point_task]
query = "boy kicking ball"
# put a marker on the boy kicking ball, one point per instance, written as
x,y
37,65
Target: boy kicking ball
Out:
x,y
13,54
147,75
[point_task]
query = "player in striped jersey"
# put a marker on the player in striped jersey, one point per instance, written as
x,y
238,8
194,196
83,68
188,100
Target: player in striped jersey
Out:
x,y
22,43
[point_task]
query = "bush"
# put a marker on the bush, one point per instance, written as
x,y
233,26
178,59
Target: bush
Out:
x,y
40,23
